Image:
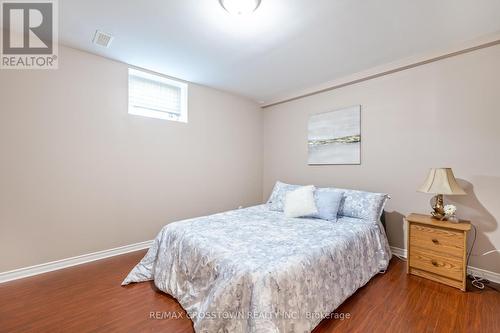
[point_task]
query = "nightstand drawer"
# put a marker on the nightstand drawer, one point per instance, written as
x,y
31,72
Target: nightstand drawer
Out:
x,y
441,265
437,250
443,241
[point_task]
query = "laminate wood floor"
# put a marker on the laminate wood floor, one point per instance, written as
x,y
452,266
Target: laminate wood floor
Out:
x,y
89,298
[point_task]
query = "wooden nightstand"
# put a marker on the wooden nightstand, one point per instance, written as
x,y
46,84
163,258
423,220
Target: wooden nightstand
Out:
x,y
437,250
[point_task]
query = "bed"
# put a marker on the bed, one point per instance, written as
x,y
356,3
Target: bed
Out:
x,y
255,270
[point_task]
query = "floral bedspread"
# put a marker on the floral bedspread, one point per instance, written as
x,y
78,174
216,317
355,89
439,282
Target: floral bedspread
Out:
x,y
254,270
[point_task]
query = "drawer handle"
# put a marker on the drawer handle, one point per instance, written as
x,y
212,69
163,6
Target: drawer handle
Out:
x,y
435,241
434,262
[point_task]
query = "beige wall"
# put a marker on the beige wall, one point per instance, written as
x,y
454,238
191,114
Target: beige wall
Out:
x,y
442,114
78,174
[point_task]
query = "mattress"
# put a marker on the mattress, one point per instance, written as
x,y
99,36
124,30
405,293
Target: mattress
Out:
x,y
255,270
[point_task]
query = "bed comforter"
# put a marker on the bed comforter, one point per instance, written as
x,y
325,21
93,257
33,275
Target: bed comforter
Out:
x,y
255,271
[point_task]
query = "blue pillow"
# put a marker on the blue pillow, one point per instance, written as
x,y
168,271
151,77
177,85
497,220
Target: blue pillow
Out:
x,y
328,203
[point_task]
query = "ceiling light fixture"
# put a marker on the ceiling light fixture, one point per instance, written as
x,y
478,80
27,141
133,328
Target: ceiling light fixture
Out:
x,y
240,7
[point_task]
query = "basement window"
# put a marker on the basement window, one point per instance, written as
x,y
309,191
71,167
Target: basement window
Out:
x,y
155,96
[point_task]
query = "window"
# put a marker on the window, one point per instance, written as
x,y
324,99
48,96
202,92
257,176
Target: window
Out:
x,y
155,96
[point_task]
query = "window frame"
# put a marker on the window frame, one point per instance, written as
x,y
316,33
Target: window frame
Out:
x,y
183,118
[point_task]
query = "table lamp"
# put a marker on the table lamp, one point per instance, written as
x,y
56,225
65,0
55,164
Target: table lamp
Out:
x,y
441,181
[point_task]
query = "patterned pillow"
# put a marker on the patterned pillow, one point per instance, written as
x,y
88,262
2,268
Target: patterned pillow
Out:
x,y
361,204
276,201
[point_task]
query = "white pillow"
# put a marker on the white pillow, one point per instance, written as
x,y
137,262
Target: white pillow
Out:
x,y
300,202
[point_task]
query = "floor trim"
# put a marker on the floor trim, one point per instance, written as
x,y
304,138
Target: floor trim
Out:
x,y
73,261
78,260
489,275
398,251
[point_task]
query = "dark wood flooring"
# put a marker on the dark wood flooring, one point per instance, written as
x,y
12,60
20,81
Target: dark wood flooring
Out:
x,y
89,298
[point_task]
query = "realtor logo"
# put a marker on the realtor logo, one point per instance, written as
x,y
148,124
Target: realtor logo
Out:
x,y
29,34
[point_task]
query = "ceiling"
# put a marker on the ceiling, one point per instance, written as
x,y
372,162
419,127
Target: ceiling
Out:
x,y
285,46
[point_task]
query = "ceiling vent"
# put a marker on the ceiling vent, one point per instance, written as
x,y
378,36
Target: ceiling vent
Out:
x,y
102,39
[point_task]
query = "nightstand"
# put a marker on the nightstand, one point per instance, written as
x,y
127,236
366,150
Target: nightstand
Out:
x,y
437,250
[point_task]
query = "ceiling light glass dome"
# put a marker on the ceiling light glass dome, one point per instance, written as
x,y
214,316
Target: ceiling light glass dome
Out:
x,y
240,7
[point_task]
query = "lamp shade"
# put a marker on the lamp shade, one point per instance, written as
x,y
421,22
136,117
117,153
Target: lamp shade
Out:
x,y
441,181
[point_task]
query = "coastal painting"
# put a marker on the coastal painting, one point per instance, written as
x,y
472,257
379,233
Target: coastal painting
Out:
x,y
335,137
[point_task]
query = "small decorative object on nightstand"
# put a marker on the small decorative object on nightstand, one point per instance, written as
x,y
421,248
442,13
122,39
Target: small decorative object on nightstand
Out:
x,y
437,250
441,181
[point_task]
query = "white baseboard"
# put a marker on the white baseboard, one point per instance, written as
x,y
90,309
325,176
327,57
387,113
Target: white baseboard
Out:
x,y
398,252
482,273
78,260
488,275
73,261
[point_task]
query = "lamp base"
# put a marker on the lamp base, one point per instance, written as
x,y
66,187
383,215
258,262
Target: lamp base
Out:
x,y
438,208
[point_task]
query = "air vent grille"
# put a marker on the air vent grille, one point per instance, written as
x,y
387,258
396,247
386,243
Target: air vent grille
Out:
x,y
102,39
